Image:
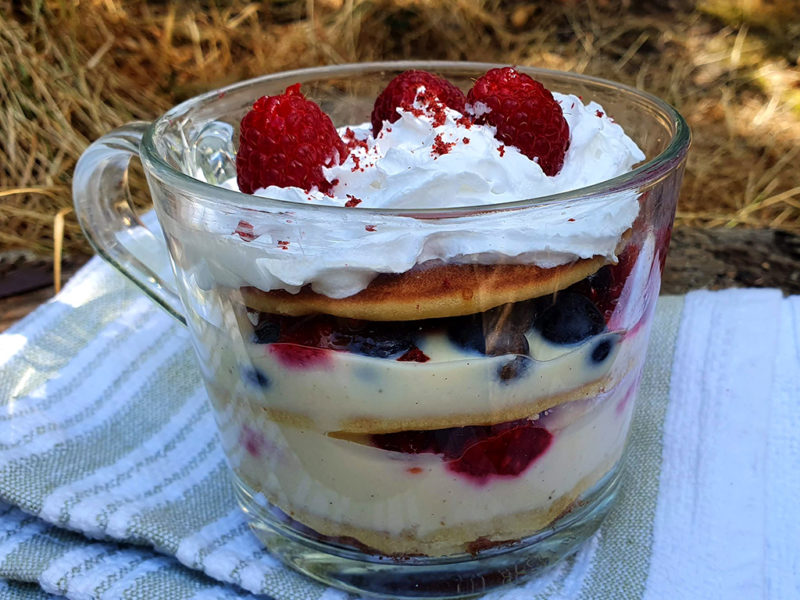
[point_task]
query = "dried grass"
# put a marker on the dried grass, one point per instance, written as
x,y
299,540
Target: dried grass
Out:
x,y
71,71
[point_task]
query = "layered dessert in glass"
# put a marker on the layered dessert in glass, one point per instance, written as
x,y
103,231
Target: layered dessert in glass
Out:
x,y
419,295
406,362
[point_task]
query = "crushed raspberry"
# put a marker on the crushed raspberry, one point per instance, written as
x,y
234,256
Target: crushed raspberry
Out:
x,y
245,231
414,355
441,147
508,453
353,201
292,356
663,237
478,452
402,91
369,227
619,274
291,336
465,140
501,150
620,407
604,287
252,441
599,114
525,115
283,244
286,140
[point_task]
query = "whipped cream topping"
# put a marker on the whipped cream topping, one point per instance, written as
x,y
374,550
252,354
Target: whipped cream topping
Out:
x,y
421,161
417,162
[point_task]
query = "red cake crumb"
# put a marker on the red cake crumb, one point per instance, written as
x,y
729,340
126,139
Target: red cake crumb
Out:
x,y
414,355
252,440
245,231
465,121
440,147
292,356
353,201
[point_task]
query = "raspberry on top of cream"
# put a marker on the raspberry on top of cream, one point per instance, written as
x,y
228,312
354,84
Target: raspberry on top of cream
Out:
x,y
425,161
433,156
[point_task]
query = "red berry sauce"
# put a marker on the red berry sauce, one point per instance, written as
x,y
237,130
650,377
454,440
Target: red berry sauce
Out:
x,y
478,452
292,356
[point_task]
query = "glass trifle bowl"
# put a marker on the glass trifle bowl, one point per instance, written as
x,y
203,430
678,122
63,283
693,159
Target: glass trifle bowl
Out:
x,y
430,399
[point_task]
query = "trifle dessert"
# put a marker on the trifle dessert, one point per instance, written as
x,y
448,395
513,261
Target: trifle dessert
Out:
x,y
409,378
419,294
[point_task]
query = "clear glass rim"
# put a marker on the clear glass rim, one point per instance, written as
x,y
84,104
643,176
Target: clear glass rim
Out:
x,y
215,196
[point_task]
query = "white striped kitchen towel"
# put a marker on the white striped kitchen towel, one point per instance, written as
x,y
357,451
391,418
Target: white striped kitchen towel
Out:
x,y
113,484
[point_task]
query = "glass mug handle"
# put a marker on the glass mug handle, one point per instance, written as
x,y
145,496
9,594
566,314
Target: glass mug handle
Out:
x,y
106,214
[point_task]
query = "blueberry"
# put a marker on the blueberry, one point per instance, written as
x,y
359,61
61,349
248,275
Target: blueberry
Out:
x,y
467,332
603,349
495,332
372,339
407,442
600,280
266,332
255,377
379,347
571,318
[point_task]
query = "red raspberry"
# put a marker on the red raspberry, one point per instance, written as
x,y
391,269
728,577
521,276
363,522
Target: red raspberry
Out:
x,y
525,115
476,451
607,292
506,453
285,140
402,91
300,357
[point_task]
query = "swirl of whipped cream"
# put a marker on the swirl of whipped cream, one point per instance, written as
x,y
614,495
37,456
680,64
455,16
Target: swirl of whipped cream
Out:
x,y
421,162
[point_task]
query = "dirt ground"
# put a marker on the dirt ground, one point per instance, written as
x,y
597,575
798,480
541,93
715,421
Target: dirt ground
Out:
x,y
724,258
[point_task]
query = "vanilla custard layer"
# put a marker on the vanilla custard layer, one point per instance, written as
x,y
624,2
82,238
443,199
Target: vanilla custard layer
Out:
x,y
342,391
275,419
412,503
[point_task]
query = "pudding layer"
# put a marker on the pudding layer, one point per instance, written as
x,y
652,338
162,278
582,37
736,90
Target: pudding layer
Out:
x,y
512,414
416,503
332,390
